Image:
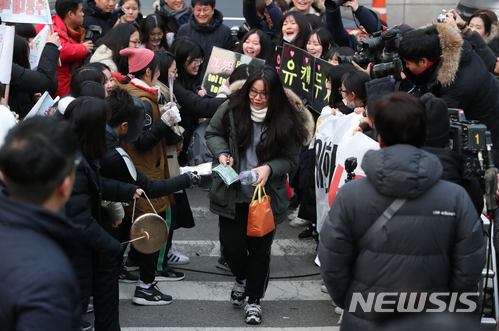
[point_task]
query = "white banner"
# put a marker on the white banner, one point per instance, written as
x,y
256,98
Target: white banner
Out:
x,y
349,146
330,130
36,47
6,50
25,11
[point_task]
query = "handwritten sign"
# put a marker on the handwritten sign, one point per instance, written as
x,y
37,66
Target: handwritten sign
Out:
x,y
36,47
277,57
25,11
221,65
6,50
42,107
305,75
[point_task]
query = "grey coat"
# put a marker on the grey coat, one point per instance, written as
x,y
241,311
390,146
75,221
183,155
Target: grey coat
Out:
x,y
421,249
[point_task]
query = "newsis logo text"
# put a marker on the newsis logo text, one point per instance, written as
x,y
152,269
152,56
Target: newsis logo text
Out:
x,y
390,302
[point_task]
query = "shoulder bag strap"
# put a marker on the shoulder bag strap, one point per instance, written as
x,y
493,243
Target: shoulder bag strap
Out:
x,y
385,217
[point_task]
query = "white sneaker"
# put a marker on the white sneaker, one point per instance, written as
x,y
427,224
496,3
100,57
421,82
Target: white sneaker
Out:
x,y
338,310
175,257
294,214
323,289
298,223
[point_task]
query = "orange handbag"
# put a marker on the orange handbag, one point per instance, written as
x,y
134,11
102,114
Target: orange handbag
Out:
x,y
260,217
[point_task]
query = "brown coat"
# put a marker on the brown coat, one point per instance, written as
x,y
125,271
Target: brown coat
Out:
x,y
151,163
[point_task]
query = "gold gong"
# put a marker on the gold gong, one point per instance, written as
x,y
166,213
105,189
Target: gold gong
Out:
x,y
152,231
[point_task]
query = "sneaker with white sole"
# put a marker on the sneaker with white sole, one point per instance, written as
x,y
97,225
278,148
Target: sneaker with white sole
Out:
x,y
323,289
338,310
222,264
253,313
298,223
175,257
131,265
237,296
125,276
151,296
168,274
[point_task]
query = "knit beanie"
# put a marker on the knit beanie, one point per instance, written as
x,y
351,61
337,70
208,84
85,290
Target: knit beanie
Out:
x,y
138,58
438,121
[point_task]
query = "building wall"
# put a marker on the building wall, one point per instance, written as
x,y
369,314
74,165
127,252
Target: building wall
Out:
x,y
413,12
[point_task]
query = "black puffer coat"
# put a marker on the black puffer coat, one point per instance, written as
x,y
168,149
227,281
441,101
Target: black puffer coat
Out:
x,y
463,81
96,16
25,82
84,208
38,285
434,243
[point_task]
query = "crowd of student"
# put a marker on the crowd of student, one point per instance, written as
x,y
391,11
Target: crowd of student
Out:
x,y
130,88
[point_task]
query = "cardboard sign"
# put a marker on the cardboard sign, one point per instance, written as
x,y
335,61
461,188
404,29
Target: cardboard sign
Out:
x,y
296,71
305,75
221,65
6,50
42,107
36,47
277,57
321,95
25,11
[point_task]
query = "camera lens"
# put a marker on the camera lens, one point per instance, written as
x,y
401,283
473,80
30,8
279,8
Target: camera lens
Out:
x,y
383,69
361,59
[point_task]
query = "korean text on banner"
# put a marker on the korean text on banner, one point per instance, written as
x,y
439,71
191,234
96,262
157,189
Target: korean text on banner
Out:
x,y
329,132
36,47
6,51
25,11
221,65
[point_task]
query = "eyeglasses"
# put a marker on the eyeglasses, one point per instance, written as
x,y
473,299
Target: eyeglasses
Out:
x,y
156,35
342,90
197,63
253,93
135,42
174,72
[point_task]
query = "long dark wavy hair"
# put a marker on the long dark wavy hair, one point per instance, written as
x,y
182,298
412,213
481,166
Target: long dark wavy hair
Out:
x,y
283,126
301,38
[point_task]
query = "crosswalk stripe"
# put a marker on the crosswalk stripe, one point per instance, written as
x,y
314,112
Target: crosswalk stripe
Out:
x,y
319,328
280,247
306,290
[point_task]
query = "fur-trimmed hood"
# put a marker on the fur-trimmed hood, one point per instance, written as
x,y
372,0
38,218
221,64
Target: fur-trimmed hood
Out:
x,y
295,101
494,33
451,44
316,8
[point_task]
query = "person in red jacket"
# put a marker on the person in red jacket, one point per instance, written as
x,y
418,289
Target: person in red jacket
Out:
x,y
67,23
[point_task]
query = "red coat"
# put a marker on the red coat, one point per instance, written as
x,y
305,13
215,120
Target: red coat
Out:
x,y
71,54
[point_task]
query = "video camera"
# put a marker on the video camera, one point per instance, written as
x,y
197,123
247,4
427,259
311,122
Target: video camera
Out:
x,y
381,49
472,142
91,30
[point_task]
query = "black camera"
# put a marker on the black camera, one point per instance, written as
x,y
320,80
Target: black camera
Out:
x,y
472,142
237,32
332,5
91,30
350,166
380,49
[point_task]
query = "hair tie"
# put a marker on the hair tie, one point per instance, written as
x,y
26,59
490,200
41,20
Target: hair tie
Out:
x,y
131,76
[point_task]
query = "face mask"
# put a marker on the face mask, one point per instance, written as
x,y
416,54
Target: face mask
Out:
x,y
350,105
290,38
328,94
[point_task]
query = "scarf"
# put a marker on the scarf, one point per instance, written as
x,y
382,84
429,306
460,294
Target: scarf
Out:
x,y
425,77
258,115
176,14
77,35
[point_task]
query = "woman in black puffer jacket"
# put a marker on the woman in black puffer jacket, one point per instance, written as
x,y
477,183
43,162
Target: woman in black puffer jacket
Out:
x,y
99,251
24,82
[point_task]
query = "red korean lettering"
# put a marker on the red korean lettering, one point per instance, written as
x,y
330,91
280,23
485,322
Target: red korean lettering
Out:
x,y
4,4
18,7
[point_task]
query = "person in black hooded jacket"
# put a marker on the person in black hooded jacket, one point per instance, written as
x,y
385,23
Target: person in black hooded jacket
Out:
x,y
439,60
100,13
433,243
207,28
38,285
24,82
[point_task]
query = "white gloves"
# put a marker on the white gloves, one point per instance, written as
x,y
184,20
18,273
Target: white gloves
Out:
x,y
170,114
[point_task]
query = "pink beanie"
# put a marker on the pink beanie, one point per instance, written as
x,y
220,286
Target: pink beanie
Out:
x,y
138,58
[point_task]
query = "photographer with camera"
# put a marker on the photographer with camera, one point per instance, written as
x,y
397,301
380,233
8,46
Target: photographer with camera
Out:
x,y
442,62
368,22
430,240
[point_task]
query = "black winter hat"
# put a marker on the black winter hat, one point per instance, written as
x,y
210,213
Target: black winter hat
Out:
x,y
438,123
